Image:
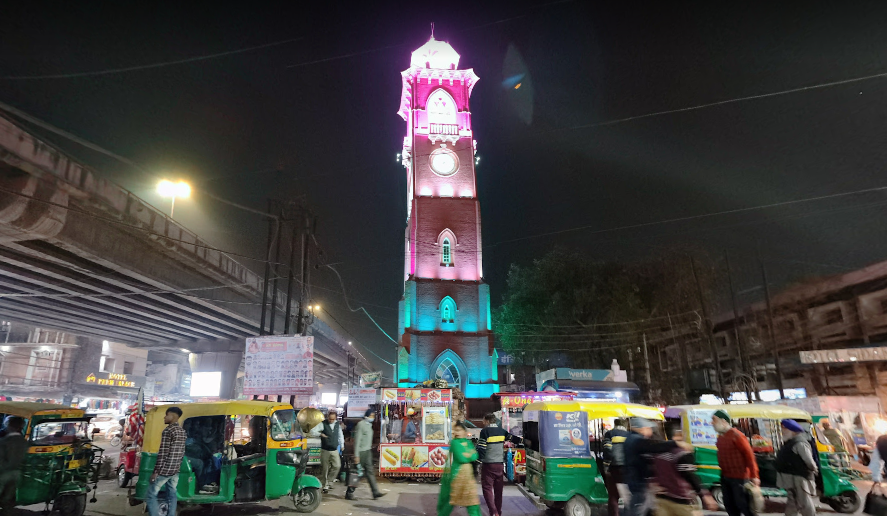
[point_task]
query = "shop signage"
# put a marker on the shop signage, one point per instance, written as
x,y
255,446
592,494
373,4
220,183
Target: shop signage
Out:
x,y
505,358
279,365
111,380
413,458
521,400
371,380
565,435
359,400
826,356
411,395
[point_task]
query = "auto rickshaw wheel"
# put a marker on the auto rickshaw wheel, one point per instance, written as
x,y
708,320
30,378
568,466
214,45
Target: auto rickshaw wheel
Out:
x,y
847,502
123,477
307,500
73,504
577,506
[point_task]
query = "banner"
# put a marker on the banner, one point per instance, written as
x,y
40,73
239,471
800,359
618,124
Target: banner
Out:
x,y
279,365
564,434
412,458
411,395
371,380
359,400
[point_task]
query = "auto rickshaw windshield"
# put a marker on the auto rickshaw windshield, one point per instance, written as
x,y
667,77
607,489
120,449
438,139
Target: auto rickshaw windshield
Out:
x,y
51,433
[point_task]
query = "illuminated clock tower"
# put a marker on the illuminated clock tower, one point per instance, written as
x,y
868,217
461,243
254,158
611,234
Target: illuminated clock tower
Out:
x,y
445,330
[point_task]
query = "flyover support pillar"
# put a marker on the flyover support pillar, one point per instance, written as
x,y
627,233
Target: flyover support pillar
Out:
x,y
227,362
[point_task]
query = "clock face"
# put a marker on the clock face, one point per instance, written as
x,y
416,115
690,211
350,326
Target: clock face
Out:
x,y
444,162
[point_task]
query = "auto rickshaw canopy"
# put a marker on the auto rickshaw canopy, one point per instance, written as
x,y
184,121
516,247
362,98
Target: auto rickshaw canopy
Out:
x,y
597,409
154,424
28,410
751,410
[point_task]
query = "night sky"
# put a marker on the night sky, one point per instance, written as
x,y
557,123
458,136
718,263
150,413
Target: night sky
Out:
x,y
251,125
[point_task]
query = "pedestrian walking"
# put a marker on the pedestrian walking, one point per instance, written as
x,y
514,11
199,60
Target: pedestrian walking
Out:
x,y
639,449
169,461
491,450
457,485
13,450
614,461
834,437
363,453
738,465
675,474
331,441
796,470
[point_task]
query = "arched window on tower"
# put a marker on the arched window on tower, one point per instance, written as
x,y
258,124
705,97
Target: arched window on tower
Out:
x,y
441,108
446,256
448,371
447,311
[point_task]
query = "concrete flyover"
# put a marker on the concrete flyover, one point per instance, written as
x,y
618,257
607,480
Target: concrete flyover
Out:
x,y
81,254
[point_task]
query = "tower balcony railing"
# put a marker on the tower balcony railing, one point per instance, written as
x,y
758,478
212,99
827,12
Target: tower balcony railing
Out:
x,y
446,129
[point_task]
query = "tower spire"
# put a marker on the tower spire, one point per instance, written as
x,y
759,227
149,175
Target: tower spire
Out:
x,y
432,30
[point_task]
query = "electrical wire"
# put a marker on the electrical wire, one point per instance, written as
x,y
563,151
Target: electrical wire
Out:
x,y
149,66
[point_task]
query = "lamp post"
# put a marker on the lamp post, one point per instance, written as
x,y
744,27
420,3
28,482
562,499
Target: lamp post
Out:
x,y
172,190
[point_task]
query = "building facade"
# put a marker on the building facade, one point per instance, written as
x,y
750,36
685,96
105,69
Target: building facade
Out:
x,y
444,317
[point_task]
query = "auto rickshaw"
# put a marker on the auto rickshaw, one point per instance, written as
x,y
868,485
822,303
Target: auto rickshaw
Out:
x,y
564,445
61,461
221,467
761,424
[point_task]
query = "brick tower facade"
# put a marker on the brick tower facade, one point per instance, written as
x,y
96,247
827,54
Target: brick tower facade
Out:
x,y
444,322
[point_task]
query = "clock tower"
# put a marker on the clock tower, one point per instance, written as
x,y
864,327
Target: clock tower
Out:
x,y
444,317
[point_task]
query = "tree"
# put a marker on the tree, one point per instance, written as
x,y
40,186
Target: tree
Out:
x,y
596,311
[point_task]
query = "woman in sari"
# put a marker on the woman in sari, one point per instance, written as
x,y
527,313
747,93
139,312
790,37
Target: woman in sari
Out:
x,y
457,486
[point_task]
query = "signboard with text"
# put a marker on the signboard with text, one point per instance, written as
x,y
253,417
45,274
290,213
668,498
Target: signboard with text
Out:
x,y
279,365
115,380
359,400
410,395
371,380
565,434
829,356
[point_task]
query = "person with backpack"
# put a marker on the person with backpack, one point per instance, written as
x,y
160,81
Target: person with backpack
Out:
x,y
614,460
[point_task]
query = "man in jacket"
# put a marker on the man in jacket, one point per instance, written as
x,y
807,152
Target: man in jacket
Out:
x,y
639,450
363,453
675,474
614,460
738,465
491,452
331,439
13,450
796,470
834,437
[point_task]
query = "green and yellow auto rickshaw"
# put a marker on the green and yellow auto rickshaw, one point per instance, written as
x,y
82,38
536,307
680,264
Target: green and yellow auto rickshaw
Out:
x,y
564,444
222,466
61,463
761,424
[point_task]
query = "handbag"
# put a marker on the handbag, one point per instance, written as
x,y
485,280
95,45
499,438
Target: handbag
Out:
x,y
354,474
755,497
876,502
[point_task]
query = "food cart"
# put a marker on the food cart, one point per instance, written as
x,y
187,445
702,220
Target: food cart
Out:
x,y
511,406
424,458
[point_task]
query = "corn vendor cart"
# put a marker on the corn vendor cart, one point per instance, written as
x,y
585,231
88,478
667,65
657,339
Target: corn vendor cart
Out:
x,y
423,457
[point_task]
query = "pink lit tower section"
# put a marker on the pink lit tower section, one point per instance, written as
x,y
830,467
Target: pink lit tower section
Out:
x,y
444,317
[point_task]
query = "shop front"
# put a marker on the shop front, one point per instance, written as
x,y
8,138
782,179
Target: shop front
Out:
x,y
416,432
589,384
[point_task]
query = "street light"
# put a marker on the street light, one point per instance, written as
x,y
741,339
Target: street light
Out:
x,y
173,190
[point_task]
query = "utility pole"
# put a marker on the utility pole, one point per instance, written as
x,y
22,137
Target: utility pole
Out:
x,y
301,324
289,284
743,366
770,332
707,323
685,359
647,371
276,270
271,223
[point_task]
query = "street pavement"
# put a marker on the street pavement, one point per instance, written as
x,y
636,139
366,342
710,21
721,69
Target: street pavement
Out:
x,y
401,499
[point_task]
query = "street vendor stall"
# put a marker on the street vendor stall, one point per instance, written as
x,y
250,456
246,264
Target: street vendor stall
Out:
x,y
511,406
419,449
